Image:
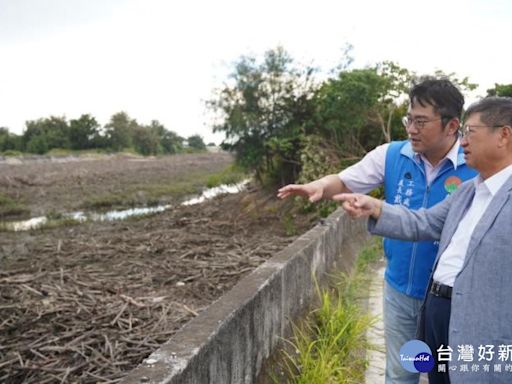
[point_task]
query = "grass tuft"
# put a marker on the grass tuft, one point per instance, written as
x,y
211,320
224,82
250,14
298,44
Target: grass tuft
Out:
x,y
10,207
155,194
231,175
330,345
58,223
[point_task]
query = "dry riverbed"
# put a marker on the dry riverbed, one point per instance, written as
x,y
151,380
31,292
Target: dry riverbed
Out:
x,y
86,303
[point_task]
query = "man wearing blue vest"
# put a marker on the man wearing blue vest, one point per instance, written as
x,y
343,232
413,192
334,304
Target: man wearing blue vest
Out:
x,y
419,172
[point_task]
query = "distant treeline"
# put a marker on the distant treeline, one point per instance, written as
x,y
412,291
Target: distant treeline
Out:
x,y
121,133
286,123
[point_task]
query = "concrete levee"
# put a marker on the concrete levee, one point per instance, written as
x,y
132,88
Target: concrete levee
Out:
x,y
228,342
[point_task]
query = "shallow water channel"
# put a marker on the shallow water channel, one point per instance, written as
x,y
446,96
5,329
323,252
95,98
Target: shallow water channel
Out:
x,y
83,216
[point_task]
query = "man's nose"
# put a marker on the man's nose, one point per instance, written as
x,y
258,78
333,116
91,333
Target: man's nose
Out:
x,y
412,128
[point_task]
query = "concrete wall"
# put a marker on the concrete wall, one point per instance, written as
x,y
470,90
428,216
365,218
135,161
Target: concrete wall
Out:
x,y
228,342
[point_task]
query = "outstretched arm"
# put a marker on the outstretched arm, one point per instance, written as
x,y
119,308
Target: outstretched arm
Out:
x,y
362,177
397,221
323,188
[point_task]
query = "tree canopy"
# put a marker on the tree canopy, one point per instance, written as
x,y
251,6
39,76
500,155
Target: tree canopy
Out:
x,y
275,114
500,90
263,113
85,133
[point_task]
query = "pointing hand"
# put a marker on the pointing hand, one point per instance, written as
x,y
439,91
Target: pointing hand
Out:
x,y
357,205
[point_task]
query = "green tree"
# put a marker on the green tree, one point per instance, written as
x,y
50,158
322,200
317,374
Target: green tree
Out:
x,y
146,140
262,113
464,84
362,108
344,108
196,142
500,90
82,132
393,100
100,140
120,130
37,144
268,112
52,132
9,141
171,142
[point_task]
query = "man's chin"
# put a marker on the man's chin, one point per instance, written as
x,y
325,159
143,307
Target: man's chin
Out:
x,y
416,145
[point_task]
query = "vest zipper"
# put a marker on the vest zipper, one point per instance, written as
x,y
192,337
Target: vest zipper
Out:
x,y
415,245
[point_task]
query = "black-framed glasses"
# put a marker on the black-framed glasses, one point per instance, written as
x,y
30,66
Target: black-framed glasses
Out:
x,y
467,129
418,122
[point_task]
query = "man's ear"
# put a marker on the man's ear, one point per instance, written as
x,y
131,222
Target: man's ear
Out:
x,y
505,136
453,126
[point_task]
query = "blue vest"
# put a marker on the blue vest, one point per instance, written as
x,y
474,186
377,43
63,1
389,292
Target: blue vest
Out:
x,y
409,264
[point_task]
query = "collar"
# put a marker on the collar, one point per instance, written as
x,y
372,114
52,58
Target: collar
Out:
x,y
455,154
496,181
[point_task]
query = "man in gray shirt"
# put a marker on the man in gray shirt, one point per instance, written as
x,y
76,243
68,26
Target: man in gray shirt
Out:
x,y
468,307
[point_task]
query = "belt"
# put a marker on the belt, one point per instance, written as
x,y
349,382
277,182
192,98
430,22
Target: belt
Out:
x,y
441,290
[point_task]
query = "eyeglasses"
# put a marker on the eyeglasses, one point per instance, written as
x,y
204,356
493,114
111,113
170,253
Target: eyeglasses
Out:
x,y
467,130
419,123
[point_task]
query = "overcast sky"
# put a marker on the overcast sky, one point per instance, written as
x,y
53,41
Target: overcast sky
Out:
x,y
161,59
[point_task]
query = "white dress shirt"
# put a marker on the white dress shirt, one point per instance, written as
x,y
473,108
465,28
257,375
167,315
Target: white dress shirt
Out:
x,y
451,261
368,173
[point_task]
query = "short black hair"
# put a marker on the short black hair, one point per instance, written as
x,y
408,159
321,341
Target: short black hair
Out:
x,y
441,94
494,111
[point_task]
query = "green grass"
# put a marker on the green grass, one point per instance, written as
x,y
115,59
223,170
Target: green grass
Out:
x,y
290,227
51,224
231,175
155,194
107,201
58,223
12,153
58,152
76,152
10,207
148,195
330,346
